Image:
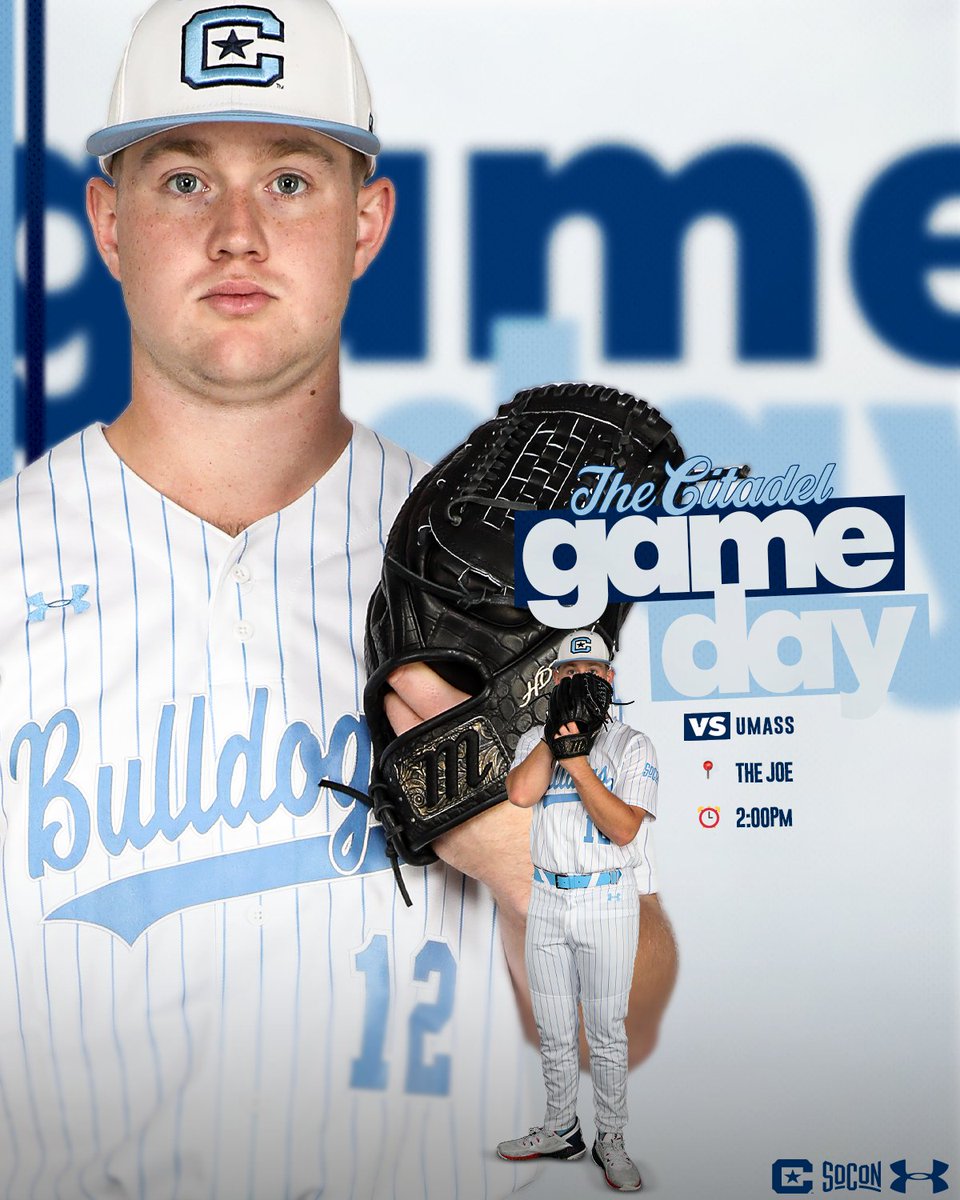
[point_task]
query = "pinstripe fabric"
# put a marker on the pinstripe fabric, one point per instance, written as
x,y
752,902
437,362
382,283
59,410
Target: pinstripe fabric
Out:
x,y
581,942
562,836
580,946
206,992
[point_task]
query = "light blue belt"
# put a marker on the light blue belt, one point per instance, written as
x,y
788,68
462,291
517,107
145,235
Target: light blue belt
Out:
x,y
576,881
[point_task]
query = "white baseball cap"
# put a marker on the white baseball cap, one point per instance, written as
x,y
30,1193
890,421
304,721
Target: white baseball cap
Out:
x,y
583,645
292,64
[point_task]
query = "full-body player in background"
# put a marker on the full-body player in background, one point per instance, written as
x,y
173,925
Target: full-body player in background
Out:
x,y
208,987
586,841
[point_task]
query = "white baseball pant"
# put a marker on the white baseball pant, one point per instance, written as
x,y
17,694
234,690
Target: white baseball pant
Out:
x,y
580,946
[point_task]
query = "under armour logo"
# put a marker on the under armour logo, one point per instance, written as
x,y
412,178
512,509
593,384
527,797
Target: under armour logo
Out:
x,y
37,607
899,1168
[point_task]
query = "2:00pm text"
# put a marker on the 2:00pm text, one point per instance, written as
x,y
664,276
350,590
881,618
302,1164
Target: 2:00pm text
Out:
x,y
764,818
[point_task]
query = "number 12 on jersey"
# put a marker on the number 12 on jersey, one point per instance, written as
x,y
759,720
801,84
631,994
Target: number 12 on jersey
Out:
x,y
371,1069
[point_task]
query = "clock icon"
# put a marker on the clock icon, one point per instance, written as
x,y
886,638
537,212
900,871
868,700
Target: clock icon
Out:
x,y
709,817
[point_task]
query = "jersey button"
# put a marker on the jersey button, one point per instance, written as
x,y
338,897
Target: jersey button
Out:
x,y
240,573
243,630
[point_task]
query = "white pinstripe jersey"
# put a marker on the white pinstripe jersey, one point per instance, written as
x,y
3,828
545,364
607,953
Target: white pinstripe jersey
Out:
x,y
208,986
563,837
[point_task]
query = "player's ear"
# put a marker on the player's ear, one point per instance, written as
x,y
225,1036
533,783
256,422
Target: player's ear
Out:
x,y
102,213
375,206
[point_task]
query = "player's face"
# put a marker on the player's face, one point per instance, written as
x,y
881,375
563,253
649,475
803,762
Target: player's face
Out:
x,y
236,245
583,668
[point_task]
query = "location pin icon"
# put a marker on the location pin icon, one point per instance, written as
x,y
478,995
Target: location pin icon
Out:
x,y
708,767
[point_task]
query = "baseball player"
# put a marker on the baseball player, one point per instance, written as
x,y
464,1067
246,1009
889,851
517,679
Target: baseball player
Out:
x,y
207,985
587,841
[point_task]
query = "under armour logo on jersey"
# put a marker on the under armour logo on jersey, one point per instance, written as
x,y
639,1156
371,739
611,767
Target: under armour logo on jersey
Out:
x,y
37,607
937,1184
217,47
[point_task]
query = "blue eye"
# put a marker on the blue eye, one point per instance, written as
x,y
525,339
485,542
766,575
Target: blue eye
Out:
x,y
184,183
289,185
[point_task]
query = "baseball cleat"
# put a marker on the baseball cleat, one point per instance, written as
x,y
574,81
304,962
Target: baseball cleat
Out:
x,y
618,1167
545,1143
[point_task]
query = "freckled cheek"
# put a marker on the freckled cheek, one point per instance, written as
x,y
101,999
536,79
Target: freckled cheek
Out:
x,y
153,270
321,267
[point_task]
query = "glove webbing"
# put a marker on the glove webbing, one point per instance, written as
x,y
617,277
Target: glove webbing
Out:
x,y
467,599
486,502
501,450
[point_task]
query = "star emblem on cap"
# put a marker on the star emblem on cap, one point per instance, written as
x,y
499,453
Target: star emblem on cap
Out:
x,y
232,45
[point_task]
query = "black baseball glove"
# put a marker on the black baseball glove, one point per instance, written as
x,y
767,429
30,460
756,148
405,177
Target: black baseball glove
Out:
x,y
446,599
583,699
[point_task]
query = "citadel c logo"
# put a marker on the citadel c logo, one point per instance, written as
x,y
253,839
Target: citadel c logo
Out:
x,y
203,65
791,1176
